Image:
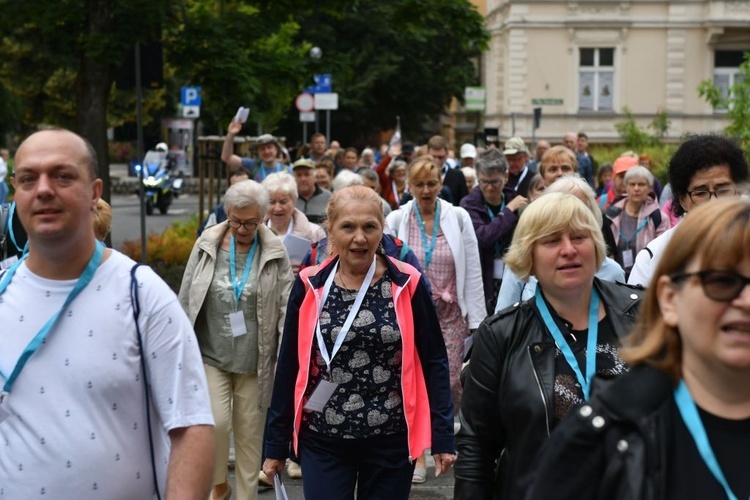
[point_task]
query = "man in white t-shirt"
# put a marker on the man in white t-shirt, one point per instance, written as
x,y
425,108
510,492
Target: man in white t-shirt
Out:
x,y
705,167
73,422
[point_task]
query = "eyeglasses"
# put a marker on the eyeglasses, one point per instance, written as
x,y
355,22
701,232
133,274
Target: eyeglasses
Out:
x,y
703,195
428,184
721,286
248,224
490,182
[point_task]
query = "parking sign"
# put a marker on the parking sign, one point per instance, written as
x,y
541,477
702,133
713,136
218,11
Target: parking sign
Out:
x,y
191,96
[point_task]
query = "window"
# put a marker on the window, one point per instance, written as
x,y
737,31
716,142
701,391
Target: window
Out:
x,y
727,70
596,75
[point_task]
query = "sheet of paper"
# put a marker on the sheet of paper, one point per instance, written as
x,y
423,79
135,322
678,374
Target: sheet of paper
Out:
x,y
320,396
279,488
296,247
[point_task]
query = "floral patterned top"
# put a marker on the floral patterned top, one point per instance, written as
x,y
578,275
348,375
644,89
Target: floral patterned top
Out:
x,y
367,368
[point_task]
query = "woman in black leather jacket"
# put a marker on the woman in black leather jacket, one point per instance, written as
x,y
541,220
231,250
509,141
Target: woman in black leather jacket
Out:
x,y
690,381
519,384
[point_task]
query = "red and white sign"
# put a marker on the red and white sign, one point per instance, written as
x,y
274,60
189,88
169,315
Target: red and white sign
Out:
x,y
305,102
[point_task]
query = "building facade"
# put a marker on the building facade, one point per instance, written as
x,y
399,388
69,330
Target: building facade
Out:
x,y
584,61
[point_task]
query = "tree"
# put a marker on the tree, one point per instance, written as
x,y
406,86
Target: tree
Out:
x,y
48,44
736,102
635,137
406,58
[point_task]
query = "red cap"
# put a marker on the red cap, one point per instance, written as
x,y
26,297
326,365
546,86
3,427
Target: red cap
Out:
x,y
623,164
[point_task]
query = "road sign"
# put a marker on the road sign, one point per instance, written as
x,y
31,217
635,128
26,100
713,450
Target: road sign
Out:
x,y
191,111
326,101
548,102
322,84
305,102
307,116
191,96
474,98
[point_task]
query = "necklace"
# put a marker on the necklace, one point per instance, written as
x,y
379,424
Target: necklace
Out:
x,y
341,277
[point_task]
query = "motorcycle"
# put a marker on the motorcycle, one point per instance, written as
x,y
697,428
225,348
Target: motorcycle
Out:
x,y
160,187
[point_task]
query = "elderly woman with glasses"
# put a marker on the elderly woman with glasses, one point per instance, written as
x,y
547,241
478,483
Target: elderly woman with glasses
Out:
x,y
235,291
493,207
442,237
677,425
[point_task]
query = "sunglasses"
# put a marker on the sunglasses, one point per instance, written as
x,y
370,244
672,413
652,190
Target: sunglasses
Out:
x,y
721,286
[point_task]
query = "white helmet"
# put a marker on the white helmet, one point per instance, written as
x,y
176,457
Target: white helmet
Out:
x,y
162,147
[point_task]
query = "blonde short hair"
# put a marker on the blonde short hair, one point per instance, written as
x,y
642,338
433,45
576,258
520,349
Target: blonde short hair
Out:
x,y
423,165
102,219
551,213
577,186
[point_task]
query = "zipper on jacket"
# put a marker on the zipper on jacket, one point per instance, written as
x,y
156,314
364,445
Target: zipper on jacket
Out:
x,y
541,390
395,298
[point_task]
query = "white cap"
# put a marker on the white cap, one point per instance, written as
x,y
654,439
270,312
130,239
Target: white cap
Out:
x,y
468,151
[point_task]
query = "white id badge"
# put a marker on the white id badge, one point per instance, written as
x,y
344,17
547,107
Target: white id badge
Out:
x,y
4,410
497,270
627,258
321,395
237,322
7,263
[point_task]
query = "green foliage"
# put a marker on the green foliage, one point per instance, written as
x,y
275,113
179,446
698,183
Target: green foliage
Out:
x,y
168,252
660,155
736,102
405,58
638,139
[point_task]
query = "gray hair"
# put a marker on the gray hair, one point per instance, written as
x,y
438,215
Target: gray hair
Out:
x,y
369,174
575,184
395,164
281,181
639,172
347,178
491,161
245,194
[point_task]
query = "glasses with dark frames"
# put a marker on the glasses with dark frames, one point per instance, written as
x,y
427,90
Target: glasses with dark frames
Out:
x,y
247,224
703,195
721,286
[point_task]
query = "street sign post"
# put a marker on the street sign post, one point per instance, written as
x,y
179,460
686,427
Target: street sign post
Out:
x,y
547,101
190,96
474,98
327,101
305,102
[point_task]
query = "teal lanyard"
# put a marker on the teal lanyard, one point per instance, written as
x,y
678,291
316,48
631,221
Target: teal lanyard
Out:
x,y
562,344
12,234
277,168
692,419
498,250
428,249
240,285
83,281
637,230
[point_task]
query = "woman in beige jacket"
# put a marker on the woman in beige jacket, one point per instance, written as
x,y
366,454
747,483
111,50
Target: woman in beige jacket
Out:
x,y
235,291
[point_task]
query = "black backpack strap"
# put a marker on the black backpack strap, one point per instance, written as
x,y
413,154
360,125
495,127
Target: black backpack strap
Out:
x,y
656,217
136,314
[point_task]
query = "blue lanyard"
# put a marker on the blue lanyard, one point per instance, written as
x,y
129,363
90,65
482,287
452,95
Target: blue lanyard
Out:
x,y
562,344
498,250
692,419
12,234
83,281
238,286
428,249
276,169
637,230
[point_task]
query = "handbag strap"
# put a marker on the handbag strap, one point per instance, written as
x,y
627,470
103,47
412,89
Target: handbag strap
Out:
x,y
136,314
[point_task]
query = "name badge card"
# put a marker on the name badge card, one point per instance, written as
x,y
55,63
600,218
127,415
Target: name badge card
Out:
x,y
498,268
237,322
321,395
627,258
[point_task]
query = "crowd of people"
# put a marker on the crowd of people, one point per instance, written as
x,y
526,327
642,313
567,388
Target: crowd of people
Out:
x,y
547,324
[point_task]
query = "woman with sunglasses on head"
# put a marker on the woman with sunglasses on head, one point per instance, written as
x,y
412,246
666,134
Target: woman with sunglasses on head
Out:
x,y
677,425
442,237
235,290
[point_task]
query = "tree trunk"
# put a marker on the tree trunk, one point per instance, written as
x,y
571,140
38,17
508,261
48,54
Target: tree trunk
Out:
x,y
93,85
